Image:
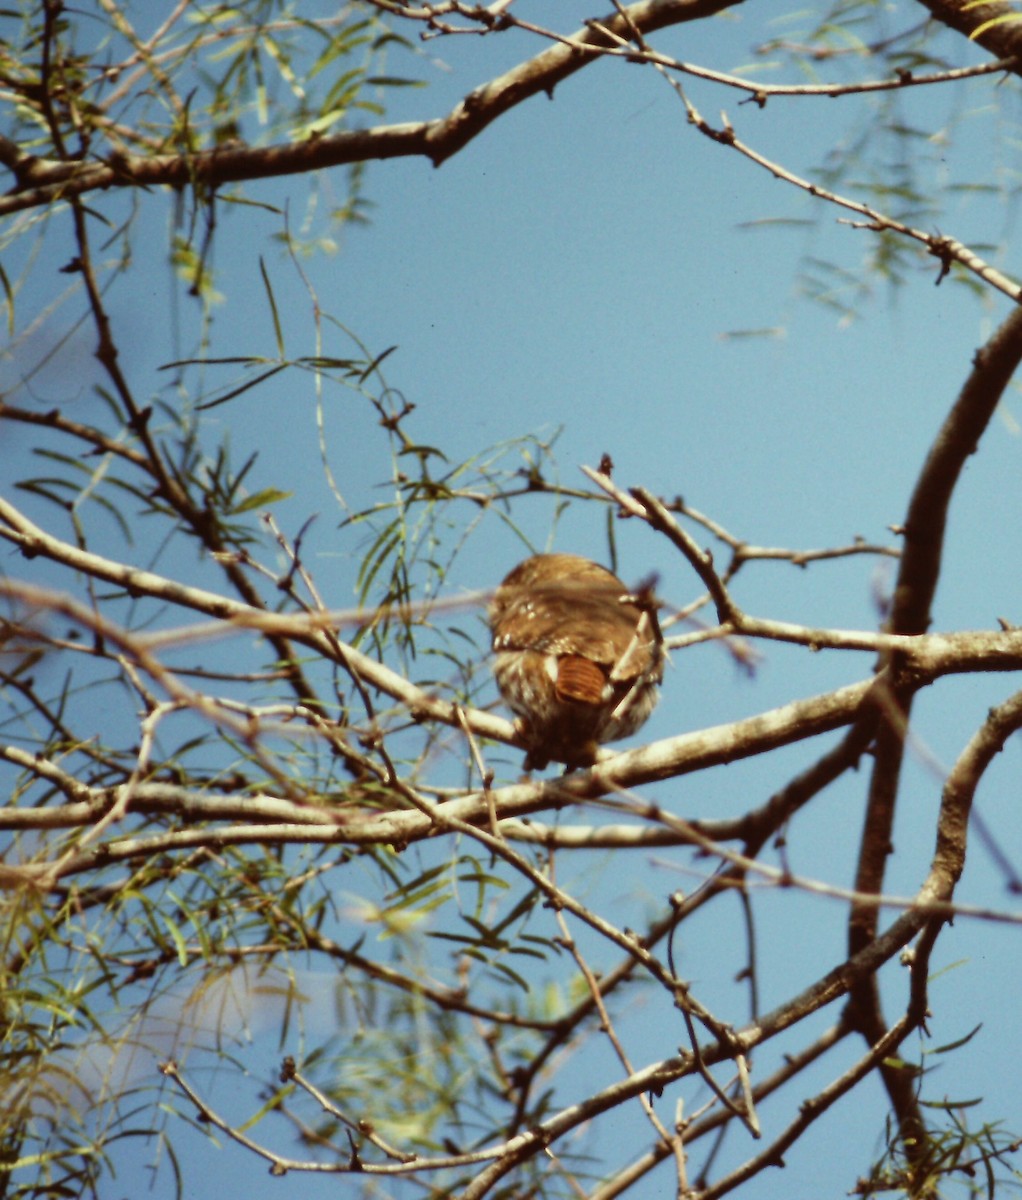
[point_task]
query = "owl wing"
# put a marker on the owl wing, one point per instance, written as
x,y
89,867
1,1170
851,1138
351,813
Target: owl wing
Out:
x,y
600,628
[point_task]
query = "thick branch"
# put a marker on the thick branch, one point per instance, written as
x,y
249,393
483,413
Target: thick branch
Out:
x,y
918,573
669,758
1004,40
42,182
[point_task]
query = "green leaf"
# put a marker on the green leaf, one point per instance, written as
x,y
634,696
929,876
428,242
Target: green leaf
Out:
x,y
273,307
261,500
394,81
234,392
178,938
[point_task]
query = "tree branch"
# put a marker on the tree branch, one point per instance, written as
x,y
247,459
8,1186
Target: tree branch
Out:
x,y
918,573
46,181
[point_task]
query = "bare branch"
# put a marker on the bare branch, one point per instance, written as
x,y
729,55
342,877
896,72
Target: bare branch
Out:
x,y
43,182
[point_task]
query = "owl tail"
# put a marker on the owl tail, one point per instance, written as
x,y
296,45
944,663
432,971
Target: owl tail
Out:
x,y
580,679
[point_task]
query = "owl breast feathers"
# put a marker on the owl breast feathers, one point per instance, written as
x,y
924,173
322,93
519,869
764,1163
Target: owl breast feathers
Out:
x,y
578,658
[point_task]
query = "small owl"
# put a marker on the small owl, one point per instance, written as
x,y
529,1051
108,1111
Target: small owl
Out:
x,y
578,657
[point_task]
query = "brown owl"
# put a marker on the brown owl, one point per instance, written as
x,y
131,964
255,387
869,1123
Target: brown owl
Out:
x,y
578,657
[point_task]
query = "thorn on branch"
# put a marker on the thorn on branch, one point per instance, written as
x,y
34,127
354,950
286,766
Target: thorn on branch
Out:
x,y
140,420
726,137
534,481
518,1078
495,22
941,249
393,421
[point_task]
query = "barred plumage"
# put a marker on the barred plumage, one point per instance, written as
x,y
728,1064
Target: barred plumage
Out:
x,y
578,658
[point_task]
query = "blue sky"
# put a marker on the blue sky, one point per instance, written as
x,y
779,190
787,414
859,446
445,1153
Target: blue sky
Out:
x,y
584,265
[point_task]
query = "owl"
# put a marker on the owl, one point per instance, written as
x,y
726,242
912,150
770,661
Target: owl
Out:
x,y
578,657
